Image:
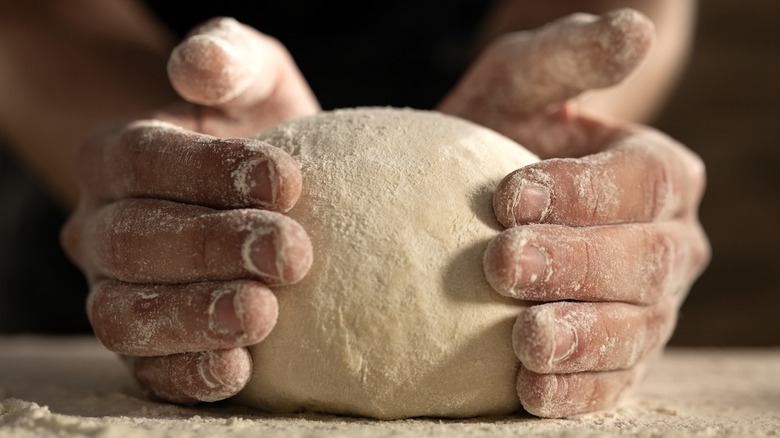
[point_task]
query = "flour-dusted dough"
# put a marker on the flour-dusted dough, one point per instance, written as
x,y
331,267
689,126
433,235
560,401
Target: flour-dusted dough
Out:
x,y
395,318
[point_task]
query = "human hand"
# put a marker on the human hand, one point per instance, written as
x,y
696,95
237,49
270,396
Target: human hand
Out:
x,y
179,232
603,232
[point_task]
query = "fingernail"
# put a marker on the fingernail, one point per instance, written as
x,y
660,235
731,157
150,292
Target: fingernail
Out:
x,y
263,182
532,204
565,338
259,253
207,370
255,181
533,264
222,314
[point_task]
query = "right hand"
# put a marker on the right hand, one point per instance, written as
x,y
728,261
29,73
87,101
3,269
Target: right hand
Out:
x,y
602,234
180,232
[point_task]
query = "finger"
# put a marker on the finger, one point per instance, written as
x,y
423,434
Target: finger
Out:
x,y
159,320
152,241
630,263
640,176
247,79
567,337
221,60
152,159
195,377
525,72
564,395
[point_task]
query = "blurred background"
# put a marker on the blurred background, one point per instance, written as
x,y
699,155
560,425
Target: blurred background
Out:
x,y
727,109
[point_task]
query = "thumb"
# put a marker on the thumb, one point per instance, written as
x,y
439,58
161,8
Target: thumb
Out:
x,y
524,72
241,81
522,84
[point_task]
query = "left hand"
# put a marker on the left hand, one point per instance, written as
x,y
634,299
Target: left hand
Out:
x,y
603,232
180,232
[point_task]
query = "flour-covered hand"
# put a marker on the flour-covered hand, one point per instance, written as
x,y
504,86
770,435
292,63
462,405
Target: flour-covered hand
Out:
x,y
603,232
180,226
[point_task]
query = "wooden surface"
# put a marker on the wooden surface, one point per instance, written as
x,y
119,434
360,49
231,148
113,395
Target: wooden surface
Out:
x,y
727,108
72,387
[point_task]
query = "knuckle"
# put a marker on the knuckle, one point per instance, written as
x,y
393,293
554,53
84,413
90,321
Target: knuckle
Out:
x,y
71,238
112,239
660,322
89,157
110,256
133,135
702,249
697,172
159,377
99,315
139,137
658,264
659,188
696,167
581,193
205,254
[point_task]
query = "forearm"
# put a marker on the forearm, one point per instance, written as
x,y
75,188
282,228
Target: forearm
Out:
x,y
66,70
641,95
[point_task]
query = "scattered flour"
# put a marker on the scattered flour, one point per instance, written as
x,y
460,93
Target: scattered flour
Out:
x,y
73,388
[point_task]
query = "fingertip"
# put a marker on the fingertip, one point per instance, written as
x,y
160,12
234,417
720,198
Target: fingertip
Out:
x,y
504,200
515,265
542,339
564,395
539,394
278,250
297,253
270,179
257,310
627,37
523,197
246,311
500,264
225,373
217,62
287,180
599,51
630,22
191,378
203,70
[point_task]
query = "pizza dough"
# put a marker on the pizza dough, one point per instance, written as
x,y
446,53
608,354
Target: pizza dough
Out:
x,y
395,318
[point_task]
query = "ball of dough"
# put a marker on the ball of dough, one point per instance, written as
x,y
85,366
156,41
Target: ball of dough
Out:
x,y
395,318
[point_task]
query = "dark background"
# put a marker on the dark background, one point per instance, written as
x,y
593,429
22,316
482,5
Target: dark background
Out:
x,y
727,109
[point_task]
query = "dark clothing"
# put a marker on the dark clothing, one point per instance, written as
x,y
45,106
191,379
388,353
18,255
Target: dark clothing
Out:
x,y
353,53
359,53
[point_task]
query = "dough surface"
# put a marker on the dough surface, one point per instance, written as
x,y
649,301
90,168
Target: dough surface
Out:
x,y
395,318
